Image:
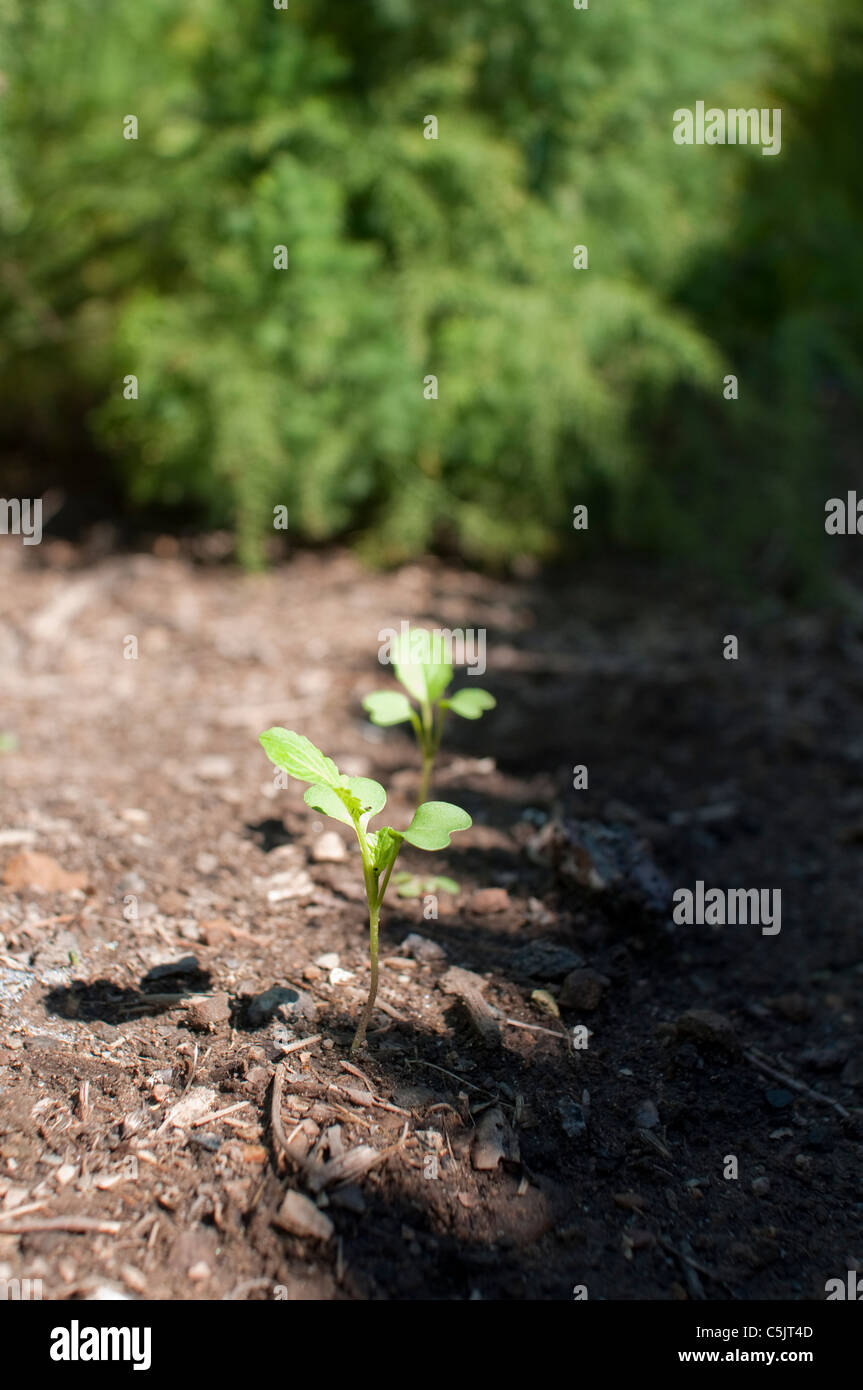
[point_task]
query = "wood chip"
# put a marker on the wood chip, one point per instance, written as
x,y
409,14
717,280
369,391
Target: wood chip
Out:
x,y
348,1168
493,1142
30,869
299,1215
189,1108
467,988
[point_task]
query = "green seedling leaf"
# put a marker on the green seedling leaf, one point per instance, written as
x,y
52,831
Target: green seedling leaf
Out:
x,y
352,800
445,885
299,756
413,885
469,703
8,743
434,822
416,665
438,677
387,707
324,799
408,885
385,845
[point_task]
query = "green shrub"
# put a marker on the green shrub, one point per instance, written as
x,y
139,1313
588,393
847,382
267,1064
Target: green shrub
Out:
x,y
411,257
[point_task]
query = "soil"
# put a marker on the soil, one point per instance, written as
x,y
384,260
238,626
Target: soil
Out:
x,y
620,1062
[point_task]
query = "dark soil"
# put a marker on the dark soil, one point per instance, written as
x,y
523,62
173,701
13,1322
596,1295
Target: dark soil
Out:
x,y
144,777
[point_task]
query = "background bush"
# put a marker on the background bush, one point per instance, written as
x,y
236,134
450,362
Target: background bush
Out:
x,y
453,257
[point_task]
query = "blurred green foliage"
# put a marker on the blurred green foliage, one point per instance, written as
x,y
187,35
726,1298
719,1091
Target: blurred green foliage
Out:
x,y
410,257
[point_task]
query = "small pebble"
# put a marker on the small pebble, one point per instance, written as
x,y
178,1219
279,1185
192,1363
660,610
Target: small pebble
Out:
x,y
214,768
705,1026
572,1118
172,904
583,990
421,949
290,1005
490,900
205,1014
778,1098
328,961
646,1115
131,883
329,848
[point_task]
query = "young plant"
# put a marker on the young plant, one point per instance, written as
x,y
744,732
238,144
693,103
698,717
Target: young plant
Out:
x,y
415,885
426,680
353,801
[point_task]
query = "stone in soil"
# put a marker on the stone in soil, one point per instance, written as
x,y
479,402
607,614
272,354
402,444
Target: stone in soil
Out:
x,y
41,873
329,848
172,904
778,1098
216,930
646,1115
421,949
583,990
300,1216
489,900
705,1026
204,1014
185,965
214,768
546,960
605,859
292,883
292,1005
572,1118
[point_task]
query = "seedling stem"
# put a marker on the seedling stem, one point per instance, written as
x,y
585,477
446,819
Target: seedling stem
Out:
x,y
353,801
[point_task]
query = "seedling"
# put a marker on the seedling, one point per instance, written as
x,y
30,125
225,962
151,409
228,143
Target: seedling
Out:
x,y
415,885
353,801
426,681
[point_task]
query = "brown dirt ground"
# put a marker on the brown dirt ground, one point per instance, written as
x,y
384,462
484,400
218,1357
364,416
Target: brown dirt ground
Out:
x,y
144,777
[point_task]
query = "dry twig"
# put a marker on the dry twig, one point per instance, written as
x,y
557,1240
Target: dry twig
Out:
x,y
80,1225
800,1086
